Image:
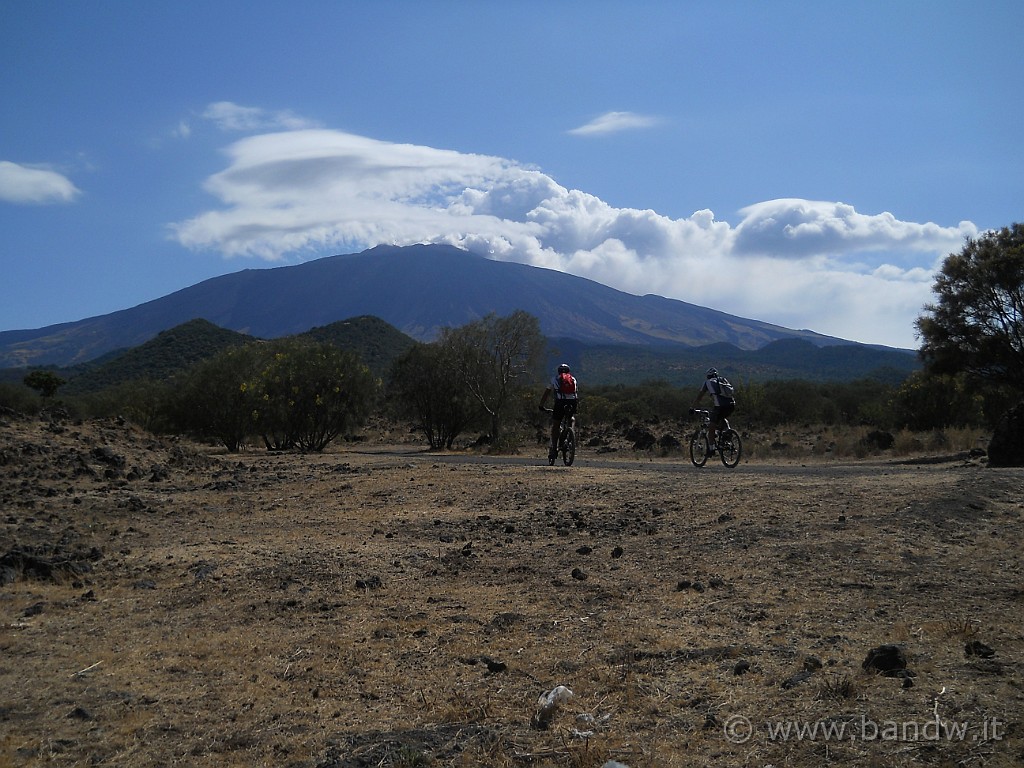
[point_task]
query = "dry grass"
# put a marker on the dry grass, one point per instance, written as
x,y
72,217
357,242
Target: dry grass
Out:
x,y
823,443
379,605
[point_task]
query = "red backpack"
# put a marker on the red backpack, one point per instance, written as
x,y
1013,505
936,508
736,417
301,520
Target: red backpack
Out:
x,y
566,384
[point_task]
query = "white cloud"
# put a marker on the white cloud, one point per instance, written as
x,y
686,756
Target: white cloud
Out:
x,y
182,130
614,122
800,228
232,117
34,186
797,263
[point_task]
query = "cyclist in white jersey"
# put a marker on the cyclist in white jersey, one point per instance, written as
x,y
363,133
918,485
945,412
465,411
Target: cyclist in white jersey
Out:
x,y
563,387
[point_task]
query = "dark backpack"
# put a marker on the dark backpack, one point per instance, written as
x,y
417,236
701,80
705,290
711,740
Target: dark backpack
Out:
x,y
725,389
566,384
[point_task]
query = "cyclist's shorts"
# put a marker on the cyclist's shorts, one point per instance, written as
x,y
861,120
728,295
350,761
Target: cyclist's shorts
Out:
x,y
563,407
724,411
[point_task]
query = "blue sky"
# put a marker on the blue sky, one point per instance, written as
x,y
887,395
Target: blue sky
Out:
x,y
808,164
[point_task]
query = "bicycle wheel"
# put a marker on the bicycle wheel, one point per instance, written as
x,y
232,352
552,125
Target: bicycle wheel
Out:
x,y
699,448
569,448
730,447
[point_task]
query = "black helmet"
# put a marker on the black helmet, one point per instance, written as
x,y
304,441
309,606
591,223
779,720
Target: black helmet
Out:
x,y
711,374
563,368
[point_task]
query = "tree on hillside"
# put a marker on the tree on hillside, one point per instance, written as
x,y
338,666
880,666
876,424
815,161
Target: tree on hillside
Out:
x,y
976,324
46,383
496,358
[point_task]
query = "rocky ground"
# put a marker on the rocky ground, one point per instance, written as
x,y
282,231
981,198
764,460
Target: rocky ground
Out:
x,y
377,605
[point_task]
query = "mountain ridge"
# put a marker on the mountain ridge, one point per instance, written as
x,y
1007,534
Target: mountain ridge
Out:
x,y
417,289
172,352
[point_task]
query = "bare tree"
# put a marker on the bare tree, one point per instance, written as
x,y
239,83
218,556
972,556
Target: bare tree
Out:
x,y
496,358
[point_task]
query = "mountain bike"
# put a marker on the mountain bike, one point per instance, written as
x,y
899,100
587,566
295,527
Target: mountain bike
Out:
x,y
566,438
727,443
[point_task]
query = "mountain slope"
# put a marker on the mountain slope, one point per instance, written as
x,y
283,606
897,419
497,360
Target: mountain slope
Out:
x,y
417,289
377,343
173,351
786,359
159,359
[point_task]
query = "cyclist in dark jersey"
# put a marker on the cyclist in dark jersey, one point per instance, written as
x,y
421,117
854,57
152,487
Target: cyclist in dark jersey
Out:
x,y
723,404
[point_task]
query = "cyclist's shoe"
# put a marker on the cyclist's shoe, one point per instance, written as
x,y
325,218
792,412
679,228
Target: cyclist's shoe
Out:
x,y
552,455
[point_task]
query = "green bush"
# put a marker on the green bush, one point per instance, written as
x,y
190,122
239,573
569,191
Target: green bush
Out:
x,y
144,403
308,394
19,398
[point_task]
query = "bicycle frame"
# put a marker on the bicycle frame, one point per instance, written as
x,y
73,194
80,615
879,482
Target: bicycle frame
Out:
x,y
566,438
568,423
727,443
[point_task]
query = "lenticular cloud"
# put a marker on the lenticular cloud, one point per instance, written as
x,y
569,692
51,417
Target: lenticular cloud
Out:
x,y
795,262
34,186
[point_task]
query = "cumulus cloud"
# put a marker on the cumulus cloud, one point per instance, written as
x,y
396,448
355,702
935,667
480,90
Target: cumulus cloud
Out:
x,y
801,228
796,263
614,122
26,185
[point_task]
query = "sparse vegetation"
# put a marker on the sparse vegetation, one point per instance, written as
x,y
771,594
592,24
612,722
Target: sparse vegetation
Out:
x,y
442,389
378,604
839,687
